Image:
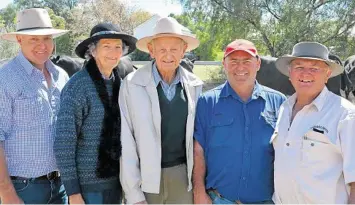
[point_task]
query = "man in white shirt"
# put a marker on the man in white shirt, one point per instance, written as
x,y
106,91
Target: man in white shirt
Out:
x,y
314,138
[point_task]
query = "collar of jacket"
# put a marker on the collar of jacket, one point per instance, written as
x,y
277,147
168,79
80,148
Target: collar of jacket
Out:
x,y
144,77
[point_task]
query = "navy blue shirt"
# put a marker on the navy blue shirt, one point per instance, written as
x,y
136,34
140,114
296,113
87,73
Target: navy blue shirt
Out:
x,y
235,137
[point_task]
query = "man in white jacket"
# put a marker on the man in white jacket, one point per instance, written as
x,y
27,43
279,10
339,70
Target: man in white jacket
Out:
x,y
157,105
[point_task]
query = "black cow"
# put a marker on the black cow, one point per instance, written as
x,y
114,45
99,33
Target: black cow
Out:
x,y
70,65
269,76
349,66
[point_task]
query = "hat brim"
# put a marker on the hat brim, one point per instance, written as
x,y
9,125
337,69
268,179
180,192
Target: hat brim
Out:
x,y
283,63
35,32
192,42
129,40
245,50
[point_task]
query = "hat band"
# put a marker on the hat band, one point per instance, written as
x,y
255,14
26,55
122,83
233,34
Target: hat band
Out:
x,y
310,56
105,33
33,28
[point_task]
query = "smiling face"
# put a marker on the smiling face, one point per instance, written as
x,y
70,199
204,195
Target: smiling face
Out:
x,y
309,77
107,53
241,68
167,51
36,49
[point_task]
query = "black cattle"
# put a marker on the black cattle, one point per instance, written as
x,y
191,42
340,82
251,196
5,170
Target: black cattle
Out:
x,y
187,64
70,65
269,76
349,66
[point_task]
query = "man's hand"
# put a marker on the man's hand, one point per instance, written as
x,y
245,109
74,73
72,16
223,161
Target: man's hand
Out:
x,y
12,198
76,199
201,197
142,202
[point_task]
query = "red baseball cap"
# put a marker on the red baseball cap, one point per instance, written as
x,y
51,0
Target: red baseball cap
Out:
x,y
241,45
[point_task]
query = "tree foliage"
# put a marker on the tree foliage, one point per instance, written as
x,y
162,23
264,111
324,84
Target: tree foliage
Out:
x,y
78,16
276,25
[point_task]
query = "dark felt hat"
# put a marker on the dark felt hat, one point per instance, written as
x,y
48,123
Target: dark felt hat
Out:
x,y
105,31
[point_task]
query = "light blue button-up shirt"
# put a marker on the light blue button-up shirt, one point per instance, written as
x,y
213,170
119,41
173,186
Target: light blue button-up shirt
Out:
x,y
169,90
28,109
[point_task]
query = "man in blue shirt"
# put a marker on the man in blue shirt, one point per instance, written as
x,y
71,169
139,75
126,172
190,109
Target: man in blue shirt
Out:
x,y
233,157
30,87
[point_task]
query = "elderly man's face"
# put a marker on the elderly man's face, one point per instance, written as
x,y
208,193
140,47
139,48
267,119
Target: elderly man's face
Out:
x,y
36,49
241,68
167,51
308,77
108,53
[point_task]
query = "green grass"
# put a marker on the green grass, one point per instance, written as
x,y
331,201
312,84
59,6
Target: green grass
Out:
x,y
206,72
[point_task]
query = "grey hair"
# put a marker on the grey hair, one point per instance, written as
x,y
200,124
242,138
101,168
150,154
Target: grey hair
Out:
x,y
92,48
89,52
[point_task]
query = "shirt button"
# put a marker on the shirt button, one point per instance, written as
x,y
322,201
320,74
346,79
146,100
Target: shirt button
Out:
x,y
244,178
287,144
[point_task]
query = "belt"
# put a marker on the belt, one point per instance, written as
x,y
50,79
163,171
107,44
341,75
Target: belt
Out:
x,y
220,196
49,176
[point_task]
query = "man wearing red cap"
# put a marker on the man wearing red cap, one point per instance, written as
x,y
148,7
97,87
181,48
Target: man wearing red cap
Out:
x,y
233,157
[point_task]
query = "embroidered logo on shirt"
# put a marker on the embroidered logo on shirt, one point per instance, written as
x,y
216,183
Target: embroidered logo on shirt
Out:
x,y
320,129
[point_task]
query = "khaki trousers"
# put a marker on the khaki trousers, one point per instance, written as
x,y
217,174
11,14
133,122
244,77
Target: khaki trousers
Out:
x,y
173,187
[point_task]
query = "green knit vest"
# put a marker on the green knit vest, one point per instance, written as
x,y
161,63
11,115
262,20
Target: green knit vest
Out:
x,y
173,127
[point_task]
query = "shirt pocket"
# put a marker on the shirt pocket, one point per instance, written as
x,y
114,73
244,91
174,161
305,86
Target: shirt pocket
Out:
x,y
316,151
29,110
222,131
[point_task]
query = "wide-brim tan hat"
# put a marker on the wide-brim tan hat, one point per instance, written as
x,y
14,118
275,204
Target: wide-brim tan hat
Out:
x,y
169,27
311,51
34,21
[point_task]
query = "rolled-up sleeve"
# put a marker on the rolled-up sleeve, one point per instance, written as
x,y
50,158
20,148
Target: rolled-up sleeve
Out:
x,y
347,139
130,176
5,113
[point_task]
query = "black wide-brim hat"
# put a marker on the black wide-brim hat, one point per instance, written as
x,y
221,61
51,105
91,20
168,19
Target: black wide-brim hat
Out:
x,y
106,31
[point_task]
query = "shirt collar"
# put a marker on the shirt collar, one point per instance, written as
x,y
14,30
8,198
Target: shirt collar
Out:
x,y
112,77
158,79
318,102
258,91
29,68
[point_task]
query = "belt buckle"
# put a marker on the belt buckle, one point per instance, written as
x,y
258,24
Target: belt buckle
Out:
x,y
52,175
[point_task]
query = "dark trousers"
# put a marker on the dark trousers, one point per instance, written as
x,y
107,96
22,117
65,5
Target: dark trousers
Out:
x,y
104,197
217,199
40,191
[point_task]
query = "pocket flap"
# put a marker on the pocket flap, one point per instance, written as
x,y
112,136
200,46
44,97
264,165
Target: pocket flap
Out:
x,y
219,121
316,136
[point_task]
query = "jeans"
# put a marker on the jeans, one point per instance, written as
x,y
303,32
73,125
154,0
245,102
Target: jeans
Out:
x,y
104,197
40,191
221,200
